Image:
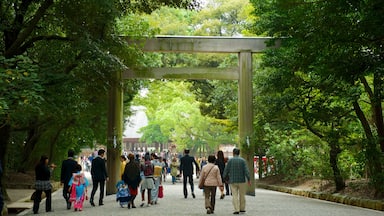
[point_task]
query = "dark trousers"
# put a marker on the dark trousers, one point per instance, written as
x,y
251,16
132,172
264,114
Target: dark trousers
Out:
x,y
37,200
66,191
210,197
190,179
94,189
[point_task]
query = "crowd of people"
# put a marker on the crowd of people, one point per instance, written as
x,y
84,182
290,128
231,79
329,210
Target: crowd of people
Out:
x,y
145,174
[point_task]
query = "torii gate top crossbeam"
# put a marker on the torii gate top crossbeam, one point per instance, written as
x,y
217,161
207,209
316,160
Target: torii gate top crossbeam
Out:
x,y
204,44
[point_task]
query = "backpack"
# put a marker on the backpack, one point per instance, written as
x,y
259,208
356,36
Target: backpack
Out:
x,y
148,168
157,171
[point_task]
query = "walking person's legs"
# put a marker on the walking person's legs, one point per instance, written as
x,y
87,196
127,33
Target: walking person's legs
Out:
x,y
149,196
235,197
48,200
94,189
213,198
185,186
66,194
206,200
102,186
155,191
142,197
36,201
190,179
242,189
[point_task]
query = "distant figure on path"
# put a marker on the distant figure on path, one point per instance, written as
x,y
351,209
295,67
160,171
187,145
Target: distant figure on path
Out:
x,y
148,182
220,162
79,184
174,169
123,162
99,176
67,168
132,178
186,170
43,183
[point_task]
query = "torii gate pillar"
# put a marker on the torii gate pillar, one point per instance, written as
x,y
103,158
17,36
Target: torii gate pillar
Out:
x,y
245,109
114,132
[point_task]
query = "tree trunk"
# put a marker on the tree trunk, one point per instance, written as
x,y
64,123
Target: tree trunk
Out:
x,y
372,155
333,159
30,143
5,131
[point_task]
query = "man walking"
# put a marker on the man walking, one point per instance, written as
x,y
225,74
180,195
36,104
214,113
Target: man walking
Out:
x,y
99,176
67,168
186,170
237,172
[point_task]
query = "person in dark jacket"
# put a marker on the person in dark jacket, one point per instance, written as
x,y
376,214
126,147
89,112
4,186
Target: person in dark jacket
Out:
x,y
99,176
186,170
43,183
220,162
131,177
67,168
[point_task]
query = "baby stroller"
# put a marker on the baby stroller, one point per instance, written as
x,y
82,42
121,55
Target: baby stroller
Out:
x,y
123,196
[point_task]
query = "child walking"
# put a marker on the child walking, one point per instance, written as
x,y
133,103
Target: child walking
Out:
x,y
123,195
78,188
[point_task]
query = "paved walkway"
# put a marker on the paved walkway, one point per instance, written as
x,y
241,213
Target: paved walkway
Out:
x,y
173,203
265,203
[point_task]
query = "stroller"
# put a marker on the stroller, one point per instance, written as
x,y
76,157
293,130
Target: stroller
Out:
x,y
123,196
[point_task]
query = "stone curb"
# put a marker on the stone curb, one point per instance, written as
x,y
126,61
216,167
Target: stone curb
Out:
x,y
337,198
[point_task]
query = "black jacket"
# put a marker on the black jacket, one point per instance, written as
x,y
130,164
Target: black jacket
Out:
x,y
131,174
42,172
186,165
67,168
98,170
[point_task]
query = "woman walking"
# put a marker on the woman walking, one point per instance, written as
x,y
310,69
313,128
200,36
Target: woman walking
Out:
x,y
131,177
43,183
210,174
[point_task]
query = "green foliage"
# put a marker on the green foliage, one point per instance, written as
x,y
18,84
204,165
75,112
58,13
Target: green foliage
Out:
x,y
58,59
174,114
20,86
327,56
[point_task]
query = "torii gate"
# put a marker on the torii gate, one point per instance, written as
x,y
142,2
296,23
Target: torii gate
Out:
x,y
244,46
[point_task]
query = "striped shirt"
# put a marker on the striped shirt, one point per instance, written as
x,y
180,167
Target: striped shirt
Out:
x,y
236,170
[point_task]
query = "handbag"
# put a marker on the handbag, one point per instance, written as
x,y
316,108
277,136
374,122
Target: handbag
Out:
x,y
202,181
161,192
33,196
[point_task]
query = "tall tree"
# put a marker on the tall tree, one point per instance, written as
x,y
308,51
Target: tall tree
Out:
x,y
59,58
341,39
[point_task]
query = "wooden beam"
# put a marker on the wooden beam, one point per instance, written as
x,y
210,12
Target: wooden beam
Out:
x,y
245,105
194,44
184,73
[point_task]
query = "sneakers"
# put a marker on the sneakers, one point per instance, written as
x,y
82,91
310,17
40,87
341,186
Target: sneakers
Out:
x,y
222,196
209,211
193,195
